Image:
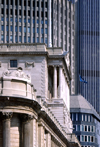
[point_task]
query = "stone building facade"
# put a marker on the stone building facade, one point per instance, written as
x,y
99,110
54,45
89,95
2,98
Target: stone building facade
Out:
x,y
34,97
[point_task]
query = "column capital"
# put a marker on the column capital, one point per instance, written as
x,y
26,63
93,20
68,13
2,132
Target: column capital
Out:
x,y
7,115
61,66
26,117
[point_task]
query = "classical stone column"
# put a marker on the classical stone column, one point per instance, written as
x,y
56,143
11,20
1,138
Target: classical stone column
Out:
x,y
60,81
40,136
26,129
48,140
6,128
55,83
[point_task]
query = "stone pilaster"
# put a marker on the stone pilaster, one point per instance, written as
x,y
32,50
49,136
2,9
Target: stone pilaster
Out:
x,y
27,130
60,81
55,83
6,128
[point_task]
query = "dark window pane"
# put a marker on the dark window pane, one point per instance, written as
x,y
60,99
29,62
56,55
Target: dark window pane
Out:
x,y
33,3
13,63
2,11
37,3
15,2
28,3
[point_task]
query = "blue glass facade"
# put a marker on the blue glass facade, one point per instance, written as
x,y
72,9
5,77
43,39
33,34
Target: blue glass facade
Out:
x,y
84,128
88,28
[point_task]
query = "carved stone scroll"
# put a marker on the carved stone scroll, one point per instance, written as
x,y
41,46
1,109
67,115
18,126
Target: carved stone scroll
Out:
x,y
29,63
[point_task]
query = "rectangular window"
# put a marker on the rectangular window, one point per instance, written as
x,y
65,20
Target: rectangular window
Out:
x,y
28,20
29,39
46,40
20,2
42,4
15,12
15,38
2,18
33,21
2,11
15,19
42,14
85,138
20,19
11,12
88,138
24,2
2,28
88,128
46,4
28,3
78,127
28,13
37,13
11,28
37,3
33,39
42,21
2,2
85,128
20,29
24,12
15,2
28,29
24,39
46,22
82,138
7,38
24,20
20,39
19,12
7,2
46,31
15,28
7,11
46,15
37,21
2,37
33,30
82,128
33,13
42,40
24,29
11,19
37,30
11,2
7,19
7,29
42,30
11,38
37,39
13,63
33,3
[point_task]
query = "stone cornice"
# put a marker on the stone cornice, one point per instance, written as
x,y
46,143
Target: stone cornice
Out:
x,y
24,53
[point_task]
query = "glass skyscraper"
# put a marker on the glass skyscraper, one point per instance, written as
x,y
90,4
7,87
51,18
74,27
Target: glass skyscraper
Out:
x,y
37,21
88,50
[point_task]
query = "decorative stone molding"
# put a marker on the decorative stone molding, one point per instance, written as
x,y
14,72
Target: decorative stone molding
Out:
x,y
29,63
16,73
7,115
